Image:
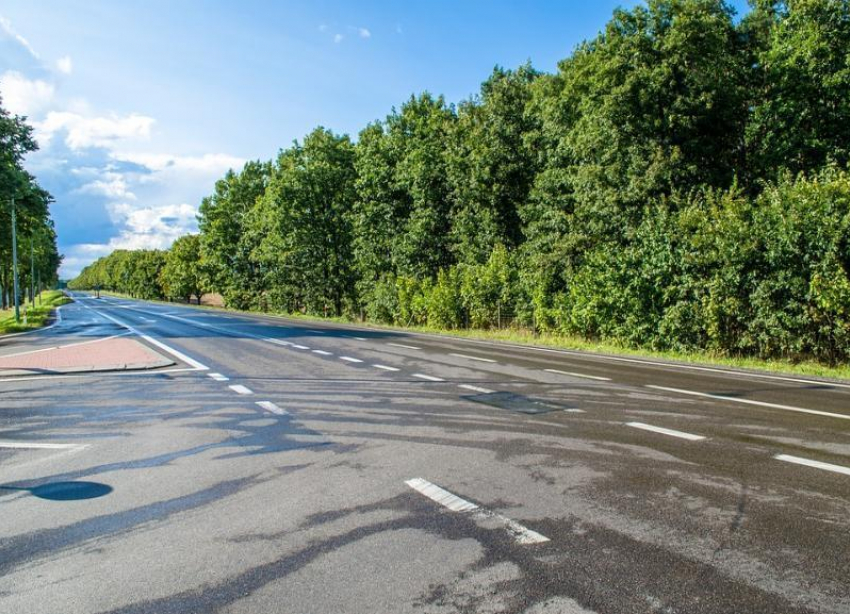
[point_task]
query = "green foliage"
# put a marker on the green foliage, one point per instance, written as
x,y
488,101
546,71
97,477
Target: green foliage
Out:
x,y
184,275
680,184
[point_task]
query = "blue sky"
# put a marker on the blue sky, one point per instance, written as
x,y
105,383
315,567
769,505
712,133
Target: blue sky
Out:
x,y
141,105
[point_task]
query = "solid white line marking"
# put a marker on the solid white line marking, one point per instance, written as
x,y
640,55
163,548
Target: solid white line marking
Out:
x,y
572,374
385,367
475,388
240,389
813,463
278,342
406,347
663,431
322,353
218,377
300,347
468,357
318,332
721,397
454,503
349,359
174,352
430,378
269,406
32,445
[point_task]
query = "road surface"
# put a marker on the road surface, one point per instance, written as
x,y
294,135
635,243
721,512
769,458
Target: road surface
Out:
x,y
294,467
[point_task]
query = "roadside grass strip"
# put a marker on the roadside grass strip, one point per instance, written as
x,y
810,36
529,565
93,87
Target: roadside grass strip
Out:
x,y
430,378
663,431
468,357
475,388
269,406
453,503
721,397
813,463
582,375
240,389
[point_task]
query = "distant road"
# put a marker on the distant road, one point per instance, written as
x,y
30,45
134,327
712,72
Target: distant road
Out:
x,y
286,466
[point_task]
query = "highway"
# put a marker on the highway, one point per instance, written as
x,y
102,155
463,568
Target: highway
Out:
x,y
289,466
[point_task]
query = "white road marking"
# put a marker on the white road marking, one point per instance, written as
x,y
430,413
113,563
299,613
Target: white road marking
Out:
x,y
721,397
62,347
318,332
385,367
147,319
33,445
475,388
174,352
430,378
240,389
322,353
360,338
278,341
349,359
300,347
663,431
573,410
572,374
269,406
813,463
468,357
406,347
452,502
218,377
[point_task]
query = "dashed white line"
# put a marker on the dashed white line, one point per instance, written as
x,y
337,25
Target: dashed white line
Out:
x,y
475,388
468,357
360,338
349,359
430,378
663,431
452,502
34,445
240,389
317,332
322,353
269,406
583,375
385,368
218,377
278,342
721,397
813,463
300,347
406,347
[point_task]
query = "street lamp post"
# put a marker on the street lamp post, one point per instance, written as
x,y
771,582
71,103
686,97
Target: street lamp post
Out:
x,y
15,264
32,271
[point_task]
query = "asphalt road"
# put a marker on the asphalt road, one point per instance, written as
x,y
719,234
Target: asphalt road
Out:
x,y
293,467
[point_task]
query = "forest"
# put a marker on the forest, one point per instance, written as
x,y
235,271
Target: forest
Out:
x,y
38,256
679,183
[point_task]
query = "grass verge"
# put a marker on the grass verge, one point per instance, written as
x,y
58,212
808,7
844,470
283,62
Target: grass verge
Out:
x,y
37,316
521,337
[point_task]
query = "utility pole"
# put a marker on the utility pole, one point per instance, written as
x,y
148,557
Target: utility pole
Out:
x,y
15,264
32,271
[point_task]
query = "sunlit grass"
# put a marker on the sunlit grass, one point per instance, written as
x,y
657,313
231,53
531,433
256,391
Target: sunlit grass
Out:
x,y
37,316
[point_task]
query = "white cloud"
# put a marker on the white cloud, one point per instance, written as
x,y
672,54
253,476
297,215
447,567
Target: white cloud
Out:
x,y
84,132
65,65
152,227
212,163
22,96
6,27
338,38
112,185
364,33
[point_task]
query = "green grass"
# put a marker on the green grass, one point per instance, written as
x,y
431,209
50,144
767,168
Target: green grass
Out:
x,y
37,316
523,337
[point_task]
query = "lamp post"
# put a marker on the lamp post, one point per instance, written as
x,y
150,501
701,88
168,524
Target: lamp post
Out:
x,y
15,264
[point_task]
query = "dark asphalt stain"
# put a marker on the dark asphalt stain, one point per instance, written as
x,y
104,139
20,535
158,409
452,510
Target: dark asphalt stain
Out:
x,y
29,546
65,491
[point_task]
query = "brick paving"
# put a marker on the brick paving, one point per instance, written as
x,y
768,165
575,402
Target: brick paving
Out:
x,y
102,355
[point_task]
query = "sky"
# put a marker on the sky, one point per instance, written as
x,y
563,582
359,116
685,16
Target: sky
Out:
x,y
139,106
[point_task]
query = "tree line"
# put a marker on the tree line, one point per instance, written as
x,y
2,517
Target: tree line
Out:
x,y
681,182
38,256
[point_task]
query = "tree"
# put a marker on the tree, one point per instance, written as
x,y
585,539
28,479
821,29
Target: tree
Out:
x,y
183,274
